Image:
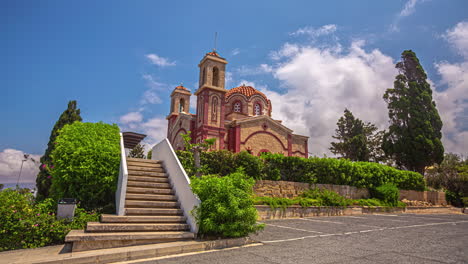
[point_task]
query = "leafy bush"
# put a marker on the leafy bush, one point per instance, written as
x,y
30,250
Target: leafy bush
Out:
x,y
86,160
226,207
252,165
26,224
387,193
326,197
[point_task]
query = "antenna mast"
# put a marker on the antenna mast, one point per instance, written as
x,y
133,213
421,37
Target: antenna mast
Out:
x,y
215,40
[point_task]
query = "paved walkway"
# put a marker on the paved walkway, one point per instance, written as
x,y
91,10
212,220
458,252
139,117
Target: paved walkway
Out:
x,y
385,238
377,238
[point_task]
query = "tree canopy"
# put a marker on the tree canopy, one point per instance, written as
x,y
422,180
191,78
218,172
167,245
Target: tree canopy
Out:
x,y
357,141
43,180
414,136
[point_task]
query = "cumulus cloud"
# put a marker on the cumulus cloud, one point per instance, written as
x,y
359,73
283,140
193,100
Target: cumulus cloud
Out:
x,y
453,101
458,38
10,164
322,82
159,61
154,128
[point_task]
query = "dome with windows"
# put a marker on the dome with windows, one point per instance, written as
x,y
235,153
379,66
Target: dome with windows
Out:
x,y
247,91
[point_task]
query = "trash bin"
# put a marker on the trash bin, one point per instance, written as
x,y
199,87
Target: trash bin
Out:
x,y
66,208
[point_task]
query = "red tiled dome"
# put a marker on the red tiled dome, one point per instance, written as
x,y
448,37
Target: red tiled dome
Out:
x,y
248,91
180,87
213,53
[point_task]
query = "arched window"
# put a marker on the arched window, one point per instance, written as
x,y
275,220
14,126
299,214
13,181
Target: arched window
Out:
x,y
214,108
215,76
203,76
257,109
237,107
182,106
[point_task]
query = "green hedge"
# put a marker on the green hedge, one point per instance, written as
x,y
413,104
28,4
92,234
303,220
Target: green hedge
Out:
x,y
312,170
86,164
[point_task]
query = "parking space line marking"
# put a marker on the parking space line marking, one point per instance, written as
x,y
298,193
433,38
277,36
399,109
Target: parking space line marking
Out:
x,y
298,229
364,231
369,225
424,217
358,217
385,214
323,221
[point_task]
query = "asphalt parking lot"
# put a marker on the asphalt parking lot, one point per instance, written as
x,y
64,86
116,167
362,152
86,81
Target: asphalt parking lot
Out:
x,y
377,238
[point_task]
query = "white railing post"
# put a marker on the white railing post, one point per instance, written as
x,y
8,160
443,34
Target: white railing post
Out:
x,y
122,182
180,182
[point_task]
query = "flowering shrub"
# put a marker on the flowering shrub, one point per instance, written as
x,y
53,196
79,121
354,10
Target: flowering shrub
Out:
x,y
26,224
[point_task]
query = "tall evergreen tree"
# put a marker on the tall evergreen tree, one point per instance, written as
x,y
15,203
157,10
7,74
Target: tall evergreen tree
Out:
x,y
413,139
357,141
43,180
137,152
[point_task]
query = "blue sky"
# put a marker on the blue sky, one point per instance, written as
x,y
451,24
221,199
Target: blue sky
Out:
x,y
121,59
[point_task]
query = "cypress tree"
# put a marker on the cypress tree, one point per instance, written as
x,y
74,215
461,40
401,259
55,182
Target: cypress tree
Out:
x,y
356,139
137,152
44,179
414,136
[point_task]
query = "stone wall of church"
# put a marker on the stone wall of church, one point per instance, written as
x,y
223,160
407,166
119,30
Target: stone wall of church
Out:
x,y
180,125
299,146
256,138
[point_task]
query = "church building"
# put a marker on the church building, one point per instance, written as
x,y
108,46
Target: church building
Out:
x,y
239,118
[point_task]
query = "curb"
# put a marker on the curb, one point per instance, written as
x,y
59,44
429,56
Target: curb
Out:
x,y
141,252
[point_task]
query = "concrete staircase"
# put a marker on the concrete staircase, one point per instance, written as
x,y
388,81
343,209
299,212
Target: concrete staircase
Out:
x,y
152,213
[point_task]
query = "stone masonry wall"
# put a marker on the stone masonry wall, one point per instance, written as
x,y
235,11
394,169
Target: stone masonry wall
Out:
x,y
287,189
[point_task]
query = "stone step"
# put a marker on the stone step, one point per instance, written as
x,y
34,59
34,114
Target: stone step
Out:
x,y
144,164
134,227
153,211
83,241
148,179
142,219
148,190
150,204
143,160
149,184
146,173
146,169
150,197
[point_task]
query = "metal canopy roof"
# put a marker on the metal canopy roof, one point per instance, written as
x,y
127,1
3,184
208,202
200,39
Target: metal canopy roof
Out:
x,y
131,139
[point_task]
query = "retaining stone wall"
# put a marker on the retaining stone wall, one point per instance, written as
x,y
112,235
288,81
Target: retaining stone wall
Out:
x,y
288,189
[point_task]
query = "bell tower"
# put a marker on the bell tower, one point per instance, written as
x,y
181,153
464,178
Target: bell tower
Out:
x,y
210,99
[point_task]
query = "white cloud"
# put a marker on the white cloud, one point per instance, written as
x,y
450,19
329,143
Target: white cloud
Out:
x,y
132,117
151,96
159,61
10,164
458,38
235,51
315,32
452,102
248,70
408,9
322,82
